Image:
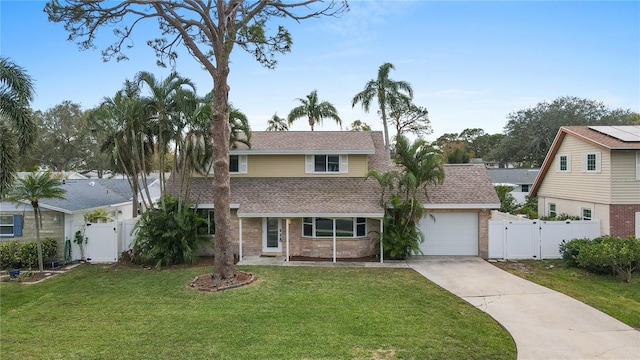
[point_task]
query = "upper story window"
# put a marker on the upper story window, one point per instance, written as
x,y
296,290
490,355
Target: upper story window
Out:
x,y
552,210
591,162
238,164
326,164
586,214
564,163
524,188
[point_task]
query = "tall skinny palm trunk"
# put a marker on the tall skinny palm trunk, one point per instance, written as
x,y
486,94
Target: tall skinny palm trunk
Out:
x,y
36,213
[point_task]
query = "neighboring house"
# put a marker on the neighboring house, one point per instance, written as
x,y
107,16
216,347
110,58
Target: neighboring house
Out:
x,y
521,180
593,172
305,194
61,218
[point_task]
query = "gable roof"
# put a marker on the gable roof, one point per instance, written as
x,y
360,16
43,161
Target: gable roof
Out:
x,y
84,195
604,137
465,186
309,142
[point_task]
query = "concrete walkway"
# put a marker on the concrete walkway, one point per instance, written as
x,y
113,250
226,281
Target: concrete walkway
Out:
x,y
545,324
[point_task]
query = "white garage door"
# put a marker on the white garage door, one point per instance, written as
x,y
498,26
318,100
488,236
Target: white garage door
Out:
x,y
450,233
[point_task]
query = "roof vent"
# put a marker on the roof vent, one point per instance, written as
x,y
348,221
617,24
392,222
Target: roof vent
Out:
x,y
92,183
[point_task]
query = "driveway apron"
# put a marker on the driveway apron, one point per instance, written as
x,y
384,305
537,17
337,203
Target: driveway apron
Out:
x,y
544,323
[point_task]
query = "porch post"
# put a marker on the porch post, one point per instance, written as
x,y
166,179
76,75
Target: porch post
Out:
x,y
334,240
240,238
381,246
287,221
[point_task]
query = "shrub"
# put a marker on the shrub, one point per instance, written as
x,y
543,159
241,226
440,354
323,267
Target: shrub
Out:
x,y
49,249
570,250
28,254
8,252
401,236
621,255
168,235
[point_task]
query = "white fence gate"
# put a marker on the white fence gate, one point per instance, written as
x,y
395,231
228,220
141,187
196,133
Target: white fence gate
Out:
x,y
536,239
106,241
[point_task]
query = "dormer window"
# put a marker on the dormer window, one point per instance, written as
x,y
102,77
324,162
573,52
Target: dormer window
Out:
x,y
326,164
238,164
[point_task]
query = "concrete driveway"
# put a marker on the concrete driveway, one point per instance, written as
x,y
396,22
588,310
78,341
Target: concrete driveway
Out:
x,y
544,323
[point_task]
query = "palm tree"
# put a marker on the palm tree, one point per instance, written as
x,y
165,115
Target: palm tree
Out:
x,y
387,92
17,128
315,111
129,138
162,107
33,188
276,123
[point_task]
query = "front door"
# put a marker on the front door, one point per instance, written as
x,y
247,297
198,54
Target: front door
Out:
x,y
271,235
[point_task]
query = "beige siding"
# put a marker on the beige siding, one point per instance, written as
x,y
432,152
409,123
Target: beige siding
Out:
x,y
625,188
563,206
577,184
294,166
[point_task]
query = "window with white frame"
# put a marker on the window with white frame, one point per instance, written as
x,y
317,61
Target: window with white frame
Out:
x,y
326,164
586,214
10,225
323,227
524,188
591,162
552,210
208,228
238,164
564,163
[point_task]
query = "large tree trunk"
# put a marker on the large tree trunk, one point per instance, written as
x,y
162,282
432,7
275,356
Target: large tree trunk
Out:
x,y
223,267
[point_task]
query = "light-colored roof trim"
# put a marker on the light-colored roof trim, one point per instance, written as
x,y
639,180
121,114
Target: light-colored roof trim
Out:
x,y
299,215
461,206
210,206
301,152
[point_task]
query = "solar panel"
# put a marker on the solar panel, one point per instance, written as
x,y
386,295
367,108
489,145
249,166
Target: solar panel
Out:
x,y
629,133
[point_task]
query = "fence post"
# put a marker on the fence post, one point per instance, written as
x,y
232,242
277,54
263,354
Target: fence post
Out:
x,y
504,239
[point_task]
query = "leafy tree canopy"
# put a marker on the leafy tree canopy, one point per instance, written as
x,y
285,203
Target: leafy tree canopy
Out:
x,y
530,132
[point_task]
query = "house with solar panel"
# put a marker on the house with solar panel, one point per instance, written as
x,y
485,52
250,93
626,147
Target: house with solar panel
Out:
x,y
593,172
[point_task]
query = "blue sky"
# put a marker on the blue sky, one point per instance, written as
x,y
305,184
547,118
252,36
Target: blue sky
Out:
x,y
469,63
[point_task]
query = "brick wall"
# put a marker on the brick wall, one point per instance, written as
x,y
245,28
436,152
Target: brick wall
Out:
x,y
304,246
483,233
622,220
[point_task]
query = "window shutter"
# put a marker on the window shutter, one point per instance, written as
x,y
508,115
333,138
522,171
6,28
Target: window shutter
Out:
x,y
638,171
559,164
598,161
242,164
568,163
308,159
584,162
17,225
344,164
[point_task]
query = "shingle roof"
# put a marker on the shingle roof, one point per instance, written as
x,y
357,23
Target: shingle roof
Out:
x,y
513,176
601,139
309,141
91,194
465,186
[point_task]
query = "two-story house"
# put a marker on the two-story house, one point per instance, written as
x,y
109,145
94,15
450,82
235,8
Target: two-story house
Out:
x,y
593,172
303,193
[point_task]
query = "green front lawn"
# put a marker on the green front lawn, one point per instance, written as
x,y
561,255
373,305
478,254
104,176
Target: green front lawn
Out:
x,y
603,292
94,312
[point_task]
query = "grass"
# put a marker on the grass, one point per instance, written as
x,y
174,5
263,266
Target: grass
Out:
x,y
94,312
606,293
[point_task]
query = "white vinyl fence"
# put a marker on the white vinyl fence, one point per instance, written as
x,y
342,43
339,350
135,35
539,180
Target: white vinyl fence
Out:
x,y
106,241
536,239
